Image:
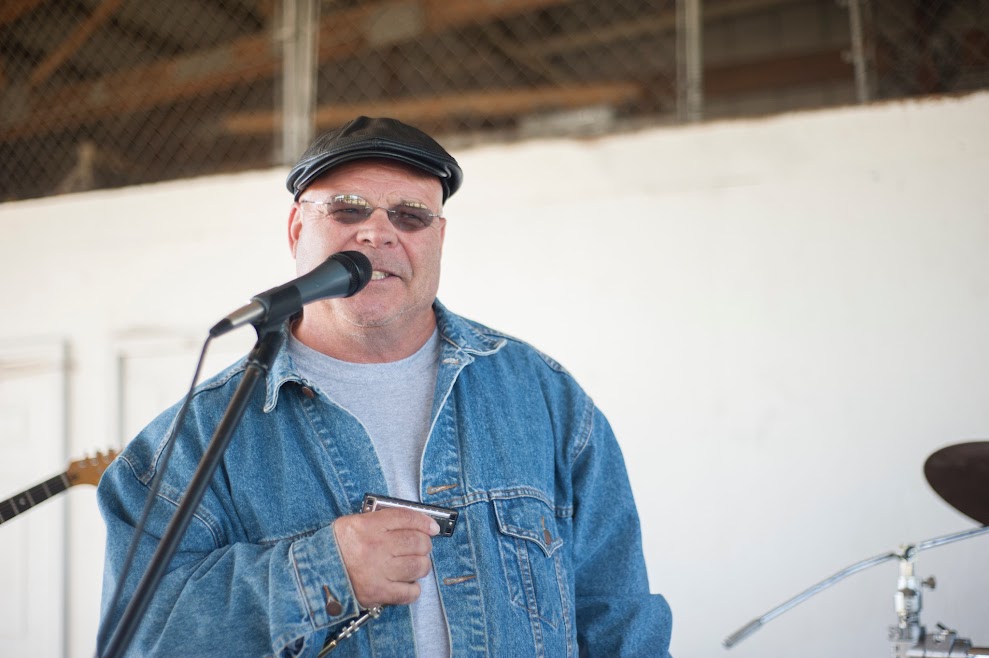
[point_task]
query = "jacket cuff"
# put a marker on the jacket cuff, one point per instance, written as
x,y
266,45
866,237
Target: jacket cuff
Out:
x,y
322,579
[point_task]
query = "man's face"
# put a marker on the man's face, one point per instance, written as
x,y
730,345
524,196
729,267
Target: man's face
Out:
x,y
406,263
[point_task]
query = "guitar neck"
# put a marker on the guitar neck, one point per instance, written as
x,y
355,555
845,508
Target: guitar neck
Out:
x,y
31,497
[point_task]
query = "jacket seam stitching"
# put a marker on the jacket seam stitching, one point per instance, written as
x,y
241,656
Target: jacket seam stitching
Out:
x,y
585,432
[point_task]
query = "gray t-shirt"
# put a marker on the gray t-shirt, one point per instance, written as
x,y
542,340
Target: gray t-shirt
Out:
x,y
393,402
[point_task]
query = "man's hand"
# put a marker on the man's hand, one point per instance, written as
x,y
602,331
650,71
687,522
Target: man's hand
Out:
x,y
385,553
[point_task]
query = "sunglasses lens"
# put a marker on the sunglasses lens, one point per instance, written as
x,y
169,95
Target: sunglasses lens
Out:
x,y
410,218
351,209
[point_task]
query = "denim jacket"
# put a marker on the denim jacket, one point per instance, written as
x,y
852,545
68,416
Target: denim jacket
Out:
x,y
546,558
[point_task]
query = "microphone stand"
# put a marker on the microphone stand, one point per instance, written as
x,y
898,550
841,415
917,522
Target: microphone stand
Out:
x,y
259,361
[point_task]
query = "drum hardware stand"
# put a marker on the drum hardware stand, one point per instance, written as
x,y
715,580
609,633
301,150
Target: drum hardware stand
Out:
x,y
910,639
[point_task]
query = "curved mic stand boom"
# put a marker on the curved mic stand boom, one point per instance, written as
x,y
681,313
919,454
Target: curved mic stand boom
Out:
x,y
909,638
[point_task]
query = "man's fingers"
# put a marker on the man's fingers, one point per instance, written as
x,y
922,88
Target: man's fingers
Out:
x,y
408,542
385,552
408,569
405,593
396,584
405,519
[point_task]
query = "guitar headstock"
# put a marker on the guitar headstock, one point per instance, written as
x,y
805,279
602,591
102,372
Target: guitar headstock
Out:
x,y
89,470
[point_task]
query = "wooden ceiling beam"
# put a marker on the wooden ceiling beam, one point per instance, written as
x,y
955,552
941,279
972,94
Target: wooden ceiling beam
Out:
x,y
343,33
11,10
662,21
490,103
73,42
736,79
779,72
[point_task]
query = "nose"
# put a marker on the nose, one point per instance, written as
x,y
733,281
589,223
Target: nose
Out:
x,y
377,230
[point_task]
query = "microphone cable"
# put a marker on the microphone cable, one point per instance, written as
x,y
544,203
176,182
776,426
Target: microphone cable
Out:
x,y
152,497
341,275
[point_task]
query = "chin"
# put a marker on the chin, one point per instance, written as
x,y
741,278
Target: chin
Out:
x,y
369,321
362,313
377,313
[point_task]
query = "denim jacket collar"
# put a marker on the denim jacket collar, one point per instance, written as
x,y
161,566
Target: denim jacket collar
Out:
x,y
462,342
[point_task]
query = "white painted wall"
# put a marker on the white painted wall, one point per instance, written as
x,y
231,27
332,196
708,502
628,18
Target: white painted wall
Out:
x,y
782,318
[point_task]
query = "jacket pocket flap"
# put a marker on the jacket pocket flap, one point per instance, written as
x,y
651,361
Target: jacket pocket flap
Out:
x,y
530,519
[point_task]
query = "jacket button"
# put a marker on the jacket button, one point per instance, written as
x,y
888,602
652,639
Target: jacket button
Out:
x,y
308,392
548,538
333,607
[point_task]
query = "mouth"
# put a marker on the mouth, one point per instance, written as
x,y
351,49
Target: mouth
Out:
x,y
378,275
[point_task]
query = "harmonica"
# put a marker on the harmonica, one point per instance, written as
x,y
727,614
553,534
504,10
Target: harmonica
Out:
x,y
446,518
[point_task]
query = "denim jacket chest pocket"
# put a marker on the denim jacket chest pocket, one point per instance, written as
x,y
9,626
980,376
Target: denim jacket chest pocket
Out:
x,y
531,553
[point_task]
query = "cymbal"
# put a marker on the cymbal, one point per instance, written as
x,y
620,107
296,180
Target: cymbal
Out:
x,y
960,474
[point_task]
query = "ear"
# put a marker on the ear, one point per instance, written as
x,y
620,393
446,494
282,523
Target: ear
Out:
x,y
294,227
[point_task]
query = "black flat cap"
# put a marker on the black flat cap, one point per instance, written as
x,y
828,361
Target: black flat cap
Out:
x,y
375,138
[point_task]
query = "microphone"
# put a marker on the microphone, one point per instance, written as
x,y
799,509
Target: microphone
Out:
x,y
341,275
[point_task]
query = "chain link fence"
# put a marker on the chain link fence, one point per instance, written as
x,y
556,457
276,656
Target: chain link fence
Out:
x,y
105,93
922,48
118,92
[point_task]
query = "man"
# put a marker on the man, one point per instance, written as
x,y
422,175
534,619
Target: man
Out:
x,y
388,392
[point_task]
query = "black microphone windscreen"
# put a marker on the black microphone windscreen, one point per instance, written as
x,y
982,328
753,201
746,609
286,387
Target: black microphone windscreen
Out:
x,y
359,267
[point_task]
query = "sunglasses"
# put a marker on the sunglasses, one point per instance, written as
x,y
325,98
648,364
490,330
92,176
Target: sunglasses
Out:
x,y
349,209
